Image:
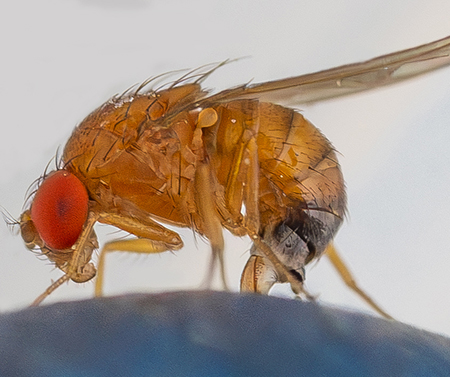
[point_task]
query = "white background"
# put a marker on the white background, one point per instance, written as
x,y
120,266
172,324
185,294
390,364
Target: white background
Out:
x,y
60,60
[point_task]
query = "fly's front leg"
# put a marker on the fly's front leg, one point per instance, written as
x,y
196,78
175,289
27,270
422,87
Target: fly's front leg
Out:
x,y
152,238
78,268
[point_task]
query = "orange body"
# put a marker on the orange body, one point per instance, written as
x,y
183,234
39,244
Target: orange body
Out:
x,y
140,156
142,153
231,160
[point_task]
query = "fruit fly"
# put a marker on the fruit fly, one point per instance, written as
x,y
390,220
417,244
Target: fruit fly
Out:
x,y
239,159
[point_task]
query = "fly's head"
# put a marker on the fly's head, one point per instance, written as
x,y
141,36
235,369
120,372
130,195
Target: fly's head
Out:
x,y
56,223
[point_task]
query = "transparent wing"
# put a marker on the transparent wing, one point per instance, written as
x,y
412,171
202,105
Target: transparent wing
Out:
x,y
347,79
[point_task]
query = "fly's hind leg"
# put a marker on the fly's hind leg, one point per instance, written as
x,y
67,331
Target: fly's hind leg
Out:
x,y
348,279
256,277
244,170
152,238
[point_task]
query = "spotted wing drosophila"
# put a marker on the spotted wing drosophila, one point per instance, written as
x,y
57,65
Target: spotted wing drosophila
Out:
x,y
236,160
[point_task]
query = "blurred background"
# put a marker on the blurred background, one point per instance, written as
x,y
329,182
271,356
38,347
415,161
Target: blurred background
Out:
x,y
61,60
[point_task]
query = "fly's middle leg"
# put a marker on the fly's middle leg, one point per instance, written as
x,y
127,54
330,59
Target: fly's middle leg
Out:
x,y
152,238
211,224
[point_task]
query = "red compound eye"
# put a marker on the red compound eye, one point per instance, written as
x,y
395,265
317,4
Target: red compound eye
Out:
x,y
60,209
